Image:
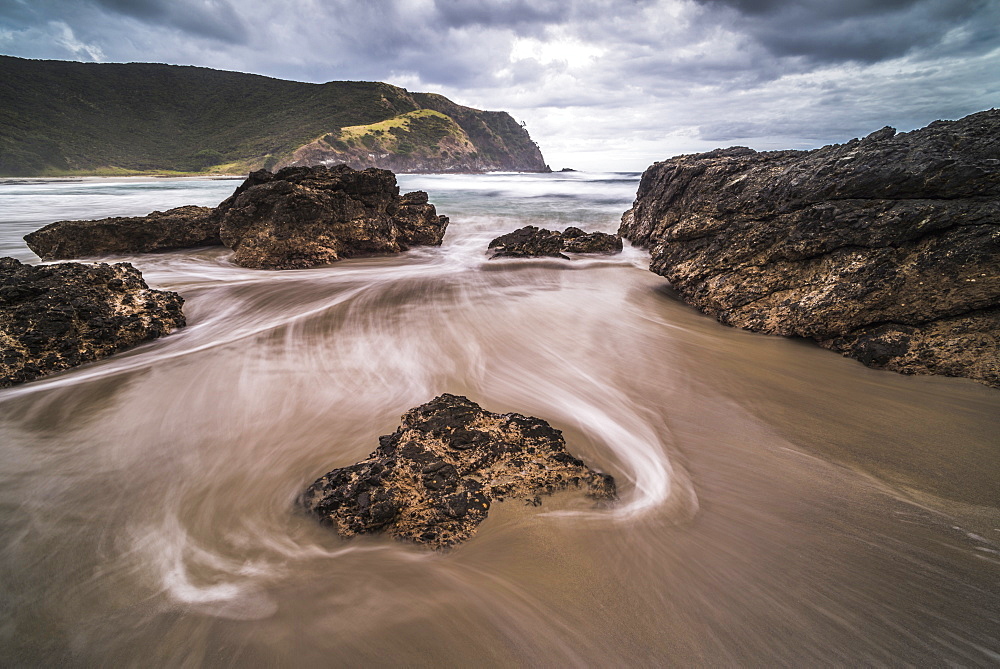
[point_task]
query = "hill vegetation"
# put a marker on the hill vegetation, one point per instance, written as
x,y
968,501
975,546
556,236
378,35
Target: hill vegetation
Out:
x,y
59,117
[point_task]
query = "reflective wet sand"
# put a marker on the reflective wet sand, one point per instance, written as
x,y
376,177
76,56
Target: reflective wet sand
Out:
x,y
781,505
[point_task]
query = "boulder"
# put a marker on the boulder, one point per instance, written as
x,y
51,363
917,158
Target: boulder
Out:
x,y
306,216
528,242
433,480
53,317
180,228
576,240
885,249
299,217
534,242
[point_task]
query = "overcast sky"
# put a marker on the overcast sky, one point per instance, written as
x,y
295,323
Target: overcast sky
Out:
x,y
601,84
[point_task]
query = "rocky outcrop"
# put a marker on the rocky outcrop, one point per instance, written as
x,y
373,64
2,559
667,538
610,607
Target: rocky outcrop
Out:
x,y
180,228
433,480
534,242
886,249
306,216
53,317
440,136
299,217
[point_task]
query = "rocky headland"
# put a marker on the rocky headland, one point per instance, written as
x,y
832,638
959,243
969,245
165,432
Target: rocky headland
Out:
x,y
433,480
141,118
296,218
53,317
534,242
886,249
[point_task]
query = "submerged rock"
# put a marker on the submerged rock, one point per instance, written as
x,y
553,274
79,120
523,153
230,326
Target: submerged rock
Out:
x,y
180,228
433,480
528,242
53,317
576,240
885,249
534,242
299,217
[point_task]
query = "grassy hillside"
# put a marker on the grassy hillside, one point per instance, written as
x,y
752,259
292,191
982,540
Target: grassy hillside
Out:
x,y
59,117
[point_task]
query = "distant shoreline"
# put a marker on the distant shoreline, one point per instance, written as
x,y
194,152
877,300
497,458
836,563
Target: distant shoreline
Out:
x,y
118,177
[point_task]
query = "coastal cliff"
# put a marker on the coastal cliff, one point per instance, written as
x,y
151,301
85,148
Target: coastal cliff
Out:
x,y
66,118
886,249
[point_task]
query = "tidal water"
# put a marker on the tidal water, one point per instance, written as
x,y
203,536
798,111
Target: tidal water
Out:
x,y
780,505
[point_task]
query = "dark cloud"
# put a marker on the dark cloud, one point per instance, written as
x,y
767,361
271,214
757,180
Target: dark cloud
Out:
x,y
501,13
618,83
865,31
216,19
213,19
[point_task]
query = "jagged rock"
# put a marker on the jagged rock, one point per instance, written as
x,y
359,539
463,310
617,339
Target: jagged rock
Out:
x,y
183,227
528,242
885,249
306,216
433,480
53,317
296,218
534,242
576,240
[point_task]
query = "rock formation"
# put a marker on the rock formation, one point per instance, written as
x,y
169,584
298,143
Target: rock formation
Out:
x,y
306,216
439,137
180,228
53,317
534,242
296,218
886,249
433,480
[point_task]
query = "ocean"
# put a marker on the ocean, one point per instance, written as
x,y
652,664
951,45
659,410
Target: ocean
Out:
x,y
780,504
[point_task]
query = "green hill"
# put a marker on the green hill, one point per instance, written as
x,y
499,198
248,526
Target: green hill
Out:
x,y
61,117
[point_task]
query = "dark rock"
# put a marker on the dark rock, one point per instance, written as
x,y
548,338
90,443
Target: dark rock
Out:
x,y
306,216
885,249
53,317
183,227
528,242
595,242
533,242
299,217
433,480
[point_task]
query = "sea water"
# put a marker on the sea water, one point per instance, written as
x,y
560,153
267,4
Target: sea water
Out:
x,y
780,504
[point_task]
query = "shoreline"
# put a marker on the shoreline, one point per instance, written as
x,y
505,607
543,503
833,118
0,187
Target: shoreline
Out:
x,y
119,178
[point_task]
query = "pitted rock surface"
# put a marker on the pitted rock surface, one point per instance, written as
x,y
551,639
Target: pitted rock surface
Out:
x,y
53,317
886,249
434,479
533,242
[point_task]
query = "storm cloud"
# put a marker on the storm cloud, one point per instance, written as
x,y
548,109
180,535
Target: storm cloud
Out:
x,y
601,84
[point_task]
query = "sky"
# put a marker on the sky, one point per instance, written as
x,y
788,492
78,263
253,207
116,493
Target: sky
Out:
x,y
599,84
